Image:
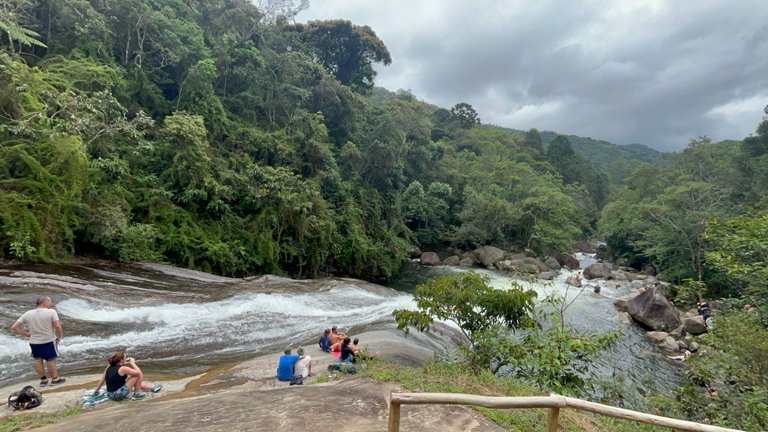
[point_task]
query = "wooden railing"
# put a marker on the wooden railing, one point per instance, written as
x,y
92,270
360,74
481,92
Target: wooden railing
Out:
x,y
552,402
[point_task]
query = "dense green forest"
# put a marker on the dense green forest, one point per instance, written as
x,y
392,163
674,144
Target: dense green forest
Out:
x,y
216,135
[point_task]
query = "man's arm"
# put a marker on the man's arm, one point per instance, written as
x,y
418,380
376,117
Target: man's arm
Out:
x,y
17,328
58,330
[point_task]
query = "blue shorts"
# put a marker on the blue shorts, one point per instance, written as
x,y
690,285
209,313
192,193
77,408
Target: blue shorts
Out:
x,y
46,351
118,394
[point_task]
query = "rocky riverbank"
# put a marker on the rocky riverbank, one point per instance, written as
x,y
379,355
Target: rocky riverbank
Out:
x,y
246,396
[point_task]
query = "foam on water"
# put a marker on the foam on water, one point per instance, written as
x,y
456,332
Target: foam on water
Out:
x,y
245,322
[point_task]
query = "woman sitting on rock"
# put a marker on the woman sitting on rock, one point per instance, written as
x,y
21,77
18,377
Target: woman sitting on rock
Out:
x,y
123,376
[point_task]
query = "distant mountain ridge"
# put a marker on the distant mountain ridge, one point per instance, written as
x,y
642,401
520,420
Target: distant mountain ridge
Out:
x,y
603,153
598,152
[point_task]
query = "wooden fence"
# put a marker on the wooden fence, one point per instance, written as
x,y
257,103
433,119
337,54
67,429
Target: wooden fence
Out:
x,y
553,403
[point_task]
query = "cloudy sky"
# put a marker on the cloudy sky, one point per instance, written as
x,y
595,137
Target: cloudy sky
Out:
x,y
655,72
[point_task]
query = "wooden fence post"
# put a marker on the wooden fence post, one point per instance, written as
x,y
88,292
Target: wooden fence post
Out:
x,y
394,416
552,419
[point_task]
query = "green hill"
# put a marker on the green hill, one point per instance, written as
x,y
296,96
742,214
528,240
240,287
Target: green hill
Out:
x,y
603,153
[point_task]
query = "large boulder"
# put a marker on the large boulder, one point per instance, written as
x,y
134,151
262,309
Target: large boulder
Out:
x,y
652,310
695,325
566,260
547,275
597,271
430,259
670,344
452,260
489,255
552,263
657,336
466,262
618,275
528,263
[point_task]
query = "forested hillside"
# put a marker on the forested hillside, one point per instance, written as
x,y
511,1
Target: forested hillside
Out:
x,y
603,153
218,136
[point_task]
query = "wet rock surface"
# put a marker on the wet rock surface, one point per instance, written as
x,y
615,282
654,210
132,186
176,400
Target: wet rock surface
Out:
x,y
247,397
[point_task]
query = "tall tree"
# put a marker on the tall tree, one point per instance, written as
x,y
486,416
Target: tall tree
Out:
x,y
465,115
346,50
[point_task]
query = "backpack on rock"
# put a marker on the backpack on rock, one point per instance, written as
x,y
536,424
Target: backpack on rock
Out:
x,y
26,398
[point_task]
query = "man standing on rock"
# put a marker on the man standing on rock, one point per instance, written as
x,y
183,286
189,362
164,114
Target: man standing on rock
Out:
x,y
44,333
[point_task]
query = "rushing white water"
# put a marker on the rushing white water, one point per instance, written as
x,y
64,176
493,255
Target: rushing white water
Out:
x,y
250,317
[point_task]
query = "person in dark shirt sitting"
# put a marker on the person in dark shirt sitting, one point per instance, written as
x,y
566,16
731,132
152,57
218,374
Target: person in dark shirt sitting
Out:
x,y
347,353
122,376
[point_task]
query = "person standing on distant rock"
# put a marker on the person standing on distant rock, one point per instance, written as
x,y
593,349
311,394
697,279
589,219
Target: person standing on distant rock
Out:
x,y
45,333
703,307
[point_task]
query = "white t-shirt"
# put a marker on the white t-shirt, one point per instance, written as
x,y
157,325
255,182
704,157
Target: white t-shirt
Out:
x,y
40,325
302,366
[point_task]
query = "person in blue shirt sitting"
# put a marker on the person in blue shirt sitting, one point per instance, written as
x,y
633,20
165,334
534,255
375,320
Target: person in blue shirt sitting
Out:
x,y
286,364
325,341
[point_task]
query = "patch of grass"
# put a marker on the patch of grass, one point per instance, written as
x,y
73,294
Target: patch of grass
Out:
x,y
457,378
320,379
32,420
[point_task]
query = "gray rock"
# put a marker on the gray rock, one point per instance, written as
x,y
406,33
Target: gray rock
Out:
x,y
670,343
695,325
566,260
430,259
530,262
489,255
618,275
548,275
597,271
552,263
658,336
414,251
625,318
452,260
620,305
691,312
530,253
682,346
637,284
504,265
466,262
677,333
693,346
470,255
596,289
652,310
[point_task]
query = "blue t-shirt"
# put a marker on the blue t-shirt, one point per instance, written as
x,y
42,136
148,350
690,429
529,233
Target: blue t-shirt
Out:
x,y
285,367
325,343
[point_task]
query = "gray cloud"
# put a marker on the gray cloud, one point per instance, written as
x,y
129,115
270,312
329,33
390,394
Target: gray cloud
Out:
x,y
657,72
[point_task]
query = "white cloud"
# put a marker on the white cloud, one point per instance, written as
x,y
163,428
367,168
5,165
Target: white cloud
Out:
x,y
648,71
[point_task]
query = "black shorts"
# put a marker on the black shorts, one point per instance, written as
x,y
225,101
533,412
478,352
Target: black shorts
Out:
x,y
46,351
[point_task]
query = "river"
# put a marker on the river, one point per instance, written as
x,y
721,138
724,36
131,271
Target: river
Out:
x,y
183,321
